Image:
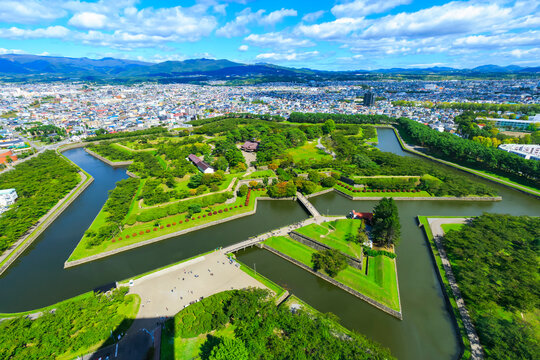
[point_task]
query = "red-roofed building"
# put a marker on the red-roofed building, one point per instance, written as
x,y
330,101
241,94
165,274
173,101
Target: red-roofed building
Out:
x,y
366,216
5,155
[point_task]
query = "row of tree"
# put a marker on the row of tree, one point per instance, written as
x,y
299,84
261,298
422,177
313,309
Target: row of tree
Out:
x,y
468,152
516,108
319,118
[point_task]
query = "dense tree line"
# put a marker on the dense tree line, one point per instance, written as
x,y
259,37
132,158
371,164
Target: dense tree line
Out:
x,y
265,117
319,118
274,145
516,108
267,331
386,227
469,153
73,326
155,130
40,183
117,208
495,261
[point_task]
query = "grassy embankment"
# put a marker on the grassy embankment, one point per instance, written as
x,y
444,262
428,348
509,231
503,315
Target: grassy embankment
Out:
x,y
334,234
168,225
380,283
446,285
260,174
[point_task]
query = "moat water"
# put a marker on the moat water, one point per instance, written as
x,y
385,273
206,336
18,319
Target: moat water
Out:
x,y
38,278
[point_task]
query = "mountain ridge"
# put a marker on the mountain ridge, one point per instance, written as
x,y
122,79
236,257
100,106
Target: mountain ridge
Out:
x,y
43,67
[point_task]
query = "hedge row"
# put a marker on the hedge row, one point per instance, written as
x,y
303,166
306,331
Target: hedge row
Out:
x,y
355,190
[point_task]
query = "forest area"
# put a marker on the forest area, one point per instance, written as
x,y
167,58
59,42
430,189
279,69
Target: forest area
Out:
x,y
40,183
495,262
263,330
79,324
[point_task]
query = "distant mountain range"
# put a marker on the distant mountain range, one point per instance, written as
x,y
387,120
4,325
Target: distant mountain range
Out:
x,y
17,67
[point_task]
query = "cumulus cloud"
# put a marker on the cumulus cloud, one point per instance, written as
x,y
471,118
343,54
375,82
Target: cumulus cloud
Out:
x,y
333,30
360,8
243,48
529,38
277,40
314,16
289,56
49,32
239,26
88,20
29,11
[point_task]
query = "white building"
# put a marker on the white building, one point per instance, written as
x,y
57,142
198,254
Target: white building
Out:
x,y
7,198
526,151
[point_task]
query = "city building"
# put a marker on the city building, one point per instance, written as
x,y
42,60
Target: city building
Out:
x,y
5,155
7,197
531,152
514,124
369,99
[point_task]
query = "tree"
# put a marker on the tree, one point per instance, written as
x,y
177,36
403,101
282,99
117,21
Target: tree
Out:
x,y
330,260
242,191
329,126
229,349
386,227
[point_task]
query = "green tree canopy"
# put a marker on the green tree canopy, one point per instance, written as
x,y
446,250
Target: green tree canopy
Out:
x,y
386,227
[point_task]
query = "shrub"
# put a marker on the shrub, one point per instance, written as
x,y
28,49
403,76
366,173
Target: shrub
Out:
x,y
161,227
134,234
147,230
141,232
168,225
220,211
127,236
155,229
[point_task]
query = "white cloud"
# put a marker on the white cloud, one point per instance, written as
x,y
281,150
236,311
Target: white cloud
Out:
x,y
238,26
243,48
49,32
359,8
10,51
336,29
290,56
277,40
29,11
529,38
89,20
314,16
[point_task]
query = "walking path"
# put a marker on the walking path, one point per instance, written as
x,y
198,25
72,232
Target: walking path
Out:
x,y
320,145
438,233
166,292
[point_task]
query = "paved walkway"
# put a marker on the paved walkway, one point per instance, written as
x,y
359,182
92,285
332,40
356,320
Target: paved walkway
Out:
x,y
438,233
166,292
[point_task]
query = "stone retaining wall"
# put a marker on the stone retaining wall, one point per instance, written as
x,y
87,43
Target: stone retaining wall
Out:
x,y
314,244
421,198
319,193
386,309
47,219
129,173
107,161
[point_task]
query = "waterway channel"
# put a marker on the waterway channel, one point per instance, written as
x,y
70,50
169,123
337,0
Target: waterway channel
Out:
x,y
38,279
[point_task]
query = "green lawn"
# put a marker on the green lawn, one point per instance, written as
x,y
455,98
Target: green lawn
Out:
x,y
447,227
190,349
382,194
334,234
380,283
261,174
308,152
148,232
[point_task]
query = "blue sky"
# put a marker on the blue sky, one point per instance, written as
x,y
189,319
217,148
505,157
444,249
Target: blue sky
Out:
x,y
330,35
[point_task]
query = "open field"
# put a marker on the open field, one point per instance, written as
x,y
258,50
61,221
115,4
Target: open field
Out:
x,y
380,284
308,152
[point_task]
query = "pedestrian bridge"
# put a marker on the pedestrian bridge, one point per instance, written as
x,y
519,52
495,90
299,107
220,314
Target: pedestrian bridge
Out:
x,y
307,205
